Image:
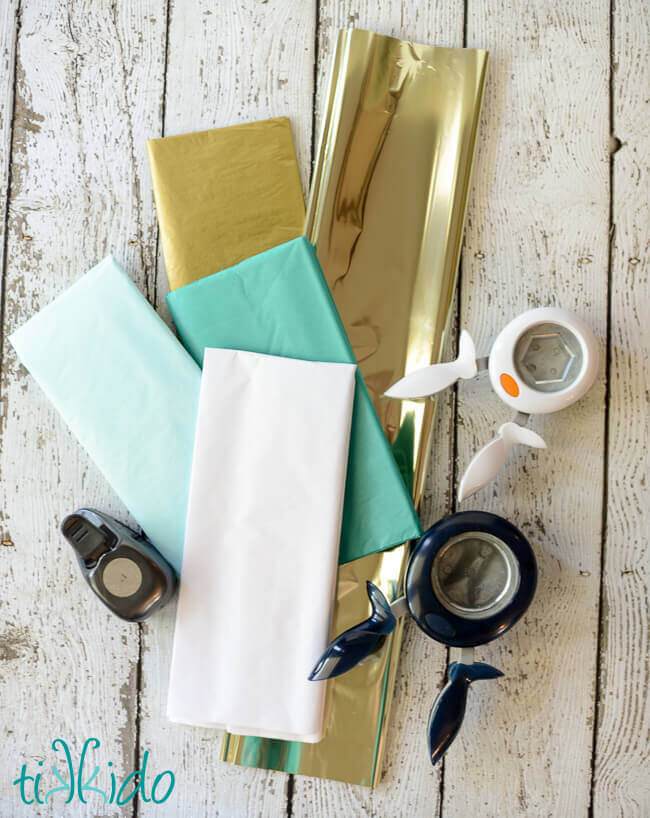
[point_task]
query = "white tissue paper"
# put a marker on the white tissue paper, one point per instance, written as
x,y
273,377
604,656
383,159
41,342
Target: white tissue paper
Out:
x,y
261,544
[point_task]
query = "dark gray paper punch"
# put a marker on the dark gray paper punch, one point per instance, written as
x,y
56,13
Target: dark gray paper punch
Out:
x,y
123,568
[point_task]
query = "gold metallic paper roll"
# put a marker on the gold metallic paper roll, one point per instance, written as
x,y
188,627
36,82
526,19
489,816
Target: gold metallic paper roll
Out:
x,y
386,215
225,195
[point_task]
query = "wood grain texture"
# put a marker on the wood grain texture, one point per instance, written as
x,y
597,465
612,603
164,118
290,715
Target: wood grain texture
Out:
x,y
67,666
409,785
227,63
622,759
538,235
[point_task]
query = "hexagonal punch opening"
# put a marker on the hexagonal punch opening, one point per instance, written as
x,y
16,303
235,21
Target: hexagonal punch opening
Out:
x,y
548,357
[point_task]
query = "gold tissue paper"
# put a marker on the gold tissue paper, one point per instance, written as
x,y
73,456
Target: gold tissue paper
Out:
x,y
386,214
225,195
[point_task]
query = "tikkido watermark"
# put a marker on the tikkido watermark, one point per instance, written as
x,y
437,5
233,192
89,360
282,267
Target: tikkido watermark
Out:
x,y
78,782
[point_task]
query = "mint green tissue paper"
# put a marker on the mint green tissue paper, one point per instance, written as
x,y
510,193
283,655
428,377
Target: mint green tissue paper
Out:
x,y
126,389
278,303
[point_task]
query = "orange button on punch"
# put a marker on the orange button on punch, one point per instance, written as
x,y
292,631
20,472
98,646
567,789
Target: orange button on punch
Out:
x,y
509,384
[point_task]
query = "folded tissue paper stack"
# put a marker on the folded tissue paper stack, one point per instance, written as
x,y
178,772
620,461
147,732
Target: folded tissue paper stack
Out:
x,y
261,462
246,630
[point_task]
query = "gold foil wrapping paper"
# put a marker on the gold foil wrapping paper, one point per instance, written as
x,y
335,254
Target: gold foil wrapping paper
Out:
x,y
386,214
224,195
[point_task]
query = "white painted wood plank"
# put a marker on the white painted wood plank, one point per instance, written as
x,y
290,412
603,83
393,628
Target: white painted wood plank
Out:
x,y
538,235
409,785
87,94
622,770
227,63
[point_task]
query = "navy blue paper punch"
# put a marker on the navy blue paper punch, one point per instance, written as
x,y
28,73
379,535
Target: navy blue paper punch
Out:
x,y
470,578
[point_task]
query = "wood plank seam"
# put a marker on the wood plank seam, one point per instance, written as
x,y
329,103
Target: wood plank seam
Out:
x,y
168,8
453,452
138,717
314,148
5,238
140,666
614,145
131,148
314,135
620,783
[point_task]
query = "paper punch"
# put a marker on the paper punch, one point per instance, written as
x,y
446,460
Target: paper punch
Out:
x,y
470,578
541,362
123,568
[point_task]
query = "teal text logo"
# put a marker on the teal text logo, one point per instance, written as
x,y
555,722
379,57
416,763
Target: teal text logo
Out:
x,y
77,782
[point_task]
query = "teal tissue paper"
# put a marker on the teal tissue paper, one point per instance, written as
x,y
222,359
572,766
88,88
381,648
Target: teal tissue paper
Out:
x,y
278,303
126,389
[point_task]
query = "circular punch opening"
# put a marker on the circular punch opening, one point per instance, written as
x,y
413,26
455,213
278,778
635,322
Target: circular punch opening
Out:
x,y
122,577
475,575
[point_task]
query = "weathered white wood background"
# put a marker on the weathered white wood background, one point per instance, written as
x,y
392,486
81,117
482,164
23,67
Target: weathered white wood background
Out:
x,y
558,215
